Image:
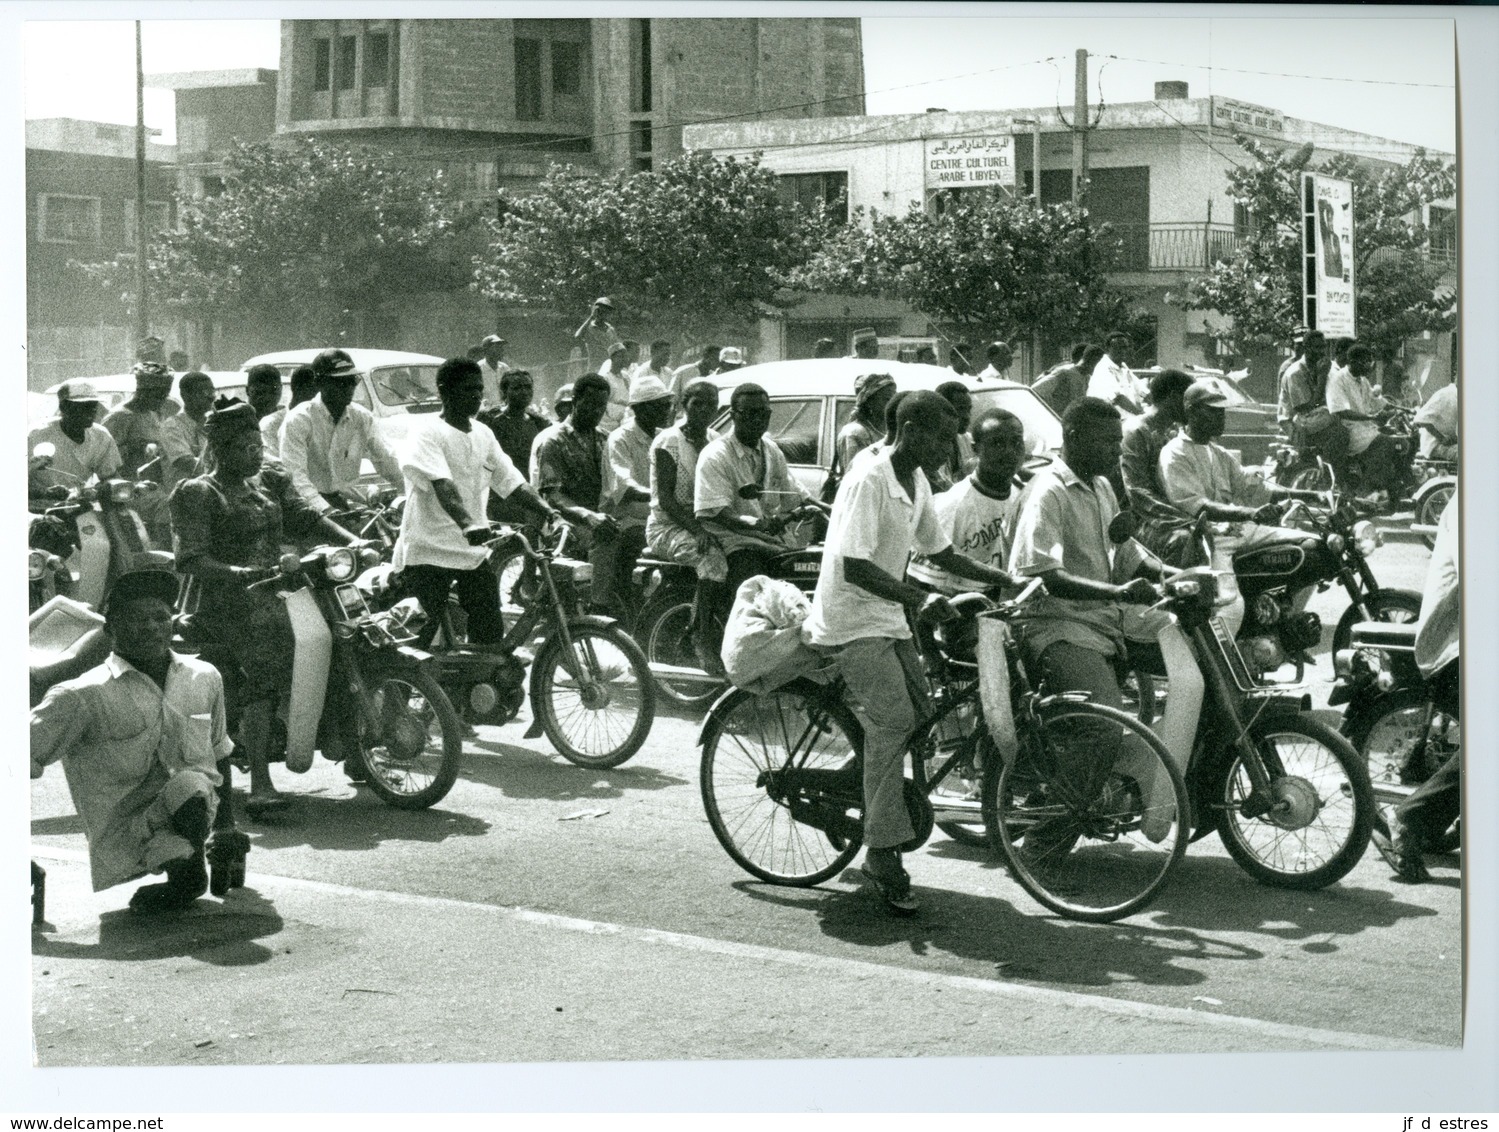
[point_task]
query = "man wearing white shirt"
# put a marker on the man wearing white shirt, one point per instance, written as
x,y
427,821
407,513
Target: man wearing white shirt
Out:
x,y
324,441
1352,400
627,486
450,464
1000,355
657,365
1113,381
1437,421
884,512
613,371
493,366
83,450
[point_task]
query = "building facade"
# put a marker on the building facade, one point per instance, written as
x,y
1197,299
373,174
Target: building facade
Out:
x,y
1157,173
81,206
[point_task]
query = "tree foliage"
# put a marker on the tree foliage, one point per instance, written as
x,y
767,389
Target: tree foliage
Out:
x,y
1398,286
302,232
989,266
692,248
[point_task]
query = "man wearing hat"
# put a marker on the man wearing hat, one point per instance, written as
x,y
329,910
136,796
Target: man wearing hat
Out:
x,y
494,367
136,428
597,333
324,440
562,404
627,479
1200,476
140,738
872,392
866,343
82,449
730,358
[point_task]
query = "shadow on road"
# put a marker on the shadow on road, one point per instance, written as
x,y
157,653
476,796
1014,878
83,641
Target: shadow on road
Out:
x,y
222,934
320,821
521,773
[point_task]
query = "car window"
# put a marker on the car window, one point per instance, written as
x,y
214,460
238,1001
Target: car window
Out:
x,y
404,385
1043,428
843,411
795,426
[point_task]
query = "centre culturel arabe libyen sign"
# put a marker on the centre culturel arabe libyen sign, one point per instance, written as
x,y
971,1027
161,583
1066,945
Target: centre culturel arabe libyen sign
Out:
x,y
961,163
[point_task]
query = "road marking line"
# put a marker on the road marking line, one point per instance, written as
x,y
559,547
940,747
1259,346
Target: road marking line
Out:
x,y
1335,1039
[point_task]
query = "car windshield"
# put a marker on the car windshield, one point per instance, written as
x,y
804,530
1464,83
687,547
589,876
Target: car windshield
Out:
x,y
405,385
1043,428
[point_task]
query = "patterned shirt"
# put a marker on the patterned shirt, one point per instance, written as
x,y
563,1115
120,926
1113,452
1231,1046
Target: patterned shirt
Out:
x,y
569,463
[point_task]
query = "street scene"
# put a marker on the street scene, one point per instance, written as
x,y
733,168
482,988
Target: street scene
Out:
x,y
668,547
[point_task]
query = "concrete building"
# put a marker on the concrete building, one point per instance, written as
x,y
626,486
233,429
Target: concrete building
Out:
x,y
1157,174
215,110
81,206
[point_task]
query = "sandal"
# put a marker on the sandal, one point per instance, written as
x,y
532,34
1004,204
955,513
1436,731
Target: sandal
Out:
x,y
263,806
894,890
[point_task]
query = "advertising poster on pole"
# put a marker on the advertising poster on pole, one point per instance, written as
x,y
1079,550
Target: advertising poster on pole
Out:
x,y
1328,250
965,163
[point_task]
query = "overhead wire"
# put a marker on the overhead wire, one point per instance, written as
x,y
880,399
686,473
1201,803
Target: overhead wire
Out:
x,y
1281,74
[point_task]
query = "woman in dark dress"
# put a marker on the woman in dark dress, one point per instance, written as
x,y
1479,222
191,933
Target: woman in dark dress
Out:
x,y
229,527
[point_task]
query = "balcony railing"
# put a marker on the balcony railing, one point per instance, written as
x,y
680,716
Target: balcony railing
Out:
x,y
1171,247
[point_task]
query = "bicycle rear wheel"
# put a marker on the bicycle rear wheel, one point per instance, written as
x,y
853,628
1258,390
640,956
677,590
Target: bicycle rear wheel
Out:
x,y
771,766
1091,813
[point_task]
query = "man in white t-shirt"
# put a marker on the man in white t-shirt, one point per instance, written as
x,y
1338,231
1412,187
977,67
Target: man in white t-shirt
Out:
x,y
1113,381
1352,400
884,512
451,462
978,512
1437,421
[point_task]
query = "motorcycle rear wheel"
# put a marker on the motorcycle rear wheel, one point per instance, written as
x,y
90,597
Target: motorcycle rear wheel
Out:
x,y
413,763
1325,806
664,631
597,701
1430,512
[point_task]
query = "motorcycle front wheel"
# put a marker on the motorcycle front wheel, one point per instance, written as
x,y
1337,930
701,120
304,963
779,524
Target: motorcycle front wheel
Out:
x,y
665,633
596,699
1396,607
1429,514
413,761
1322,806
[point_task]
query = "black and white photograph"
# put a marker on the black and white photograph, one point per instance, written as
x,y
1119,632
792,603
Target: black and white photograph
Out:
x,y
725,533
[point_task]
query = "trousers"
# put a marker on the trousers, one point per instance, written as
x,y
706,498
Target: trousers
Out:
x,y
478,593
1437,802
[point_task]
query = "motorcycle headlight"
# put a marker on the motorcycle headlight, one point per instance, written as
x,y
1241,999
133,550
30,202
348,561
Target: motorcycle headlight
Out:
x,y
1336,543
340,564
121,491
36,564
1368,537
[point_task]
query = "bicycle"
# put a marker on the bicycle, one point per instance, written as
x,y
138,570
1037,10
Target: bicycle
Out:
x,y
782,781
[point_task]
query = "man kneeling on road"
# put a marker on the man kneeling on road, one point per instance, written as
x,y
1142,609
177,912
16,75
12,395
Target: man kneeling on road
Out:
x,y
139,738
883,513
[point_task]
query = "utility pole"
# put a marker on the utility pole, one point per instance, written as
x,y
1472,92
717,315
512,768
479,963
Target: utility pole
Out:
x,y
1080,129
1036,158
142,319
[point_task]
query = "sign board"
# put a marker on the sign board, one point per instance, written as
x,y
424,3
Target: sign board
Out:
x,y
1327,253
1248,118
966,163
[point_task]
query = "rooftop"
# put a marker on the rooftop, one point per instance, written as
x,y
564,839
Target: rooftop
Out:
x,y
201,80
97,139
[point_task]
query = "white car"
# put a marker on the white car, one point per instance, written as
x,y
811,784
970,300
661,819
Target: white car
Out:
x,y
812,398
117,388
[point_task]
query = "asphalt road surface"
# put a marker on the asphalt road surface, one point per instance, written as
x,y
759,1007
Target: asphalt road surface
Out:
x,y
543,911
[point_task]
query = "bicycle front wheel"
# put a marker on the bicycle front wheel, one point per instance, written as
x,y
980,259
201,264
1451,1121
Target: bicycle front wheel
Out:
x,y
1090,813
781,785
596,700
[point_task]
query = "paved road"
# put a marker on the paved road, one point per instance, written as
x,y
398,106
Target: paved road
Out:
x,y
493,928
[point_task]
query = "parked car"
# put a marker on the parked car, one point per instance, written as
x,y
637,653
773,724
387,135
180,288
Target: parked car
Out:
x,y
117,388
812,398
1252,425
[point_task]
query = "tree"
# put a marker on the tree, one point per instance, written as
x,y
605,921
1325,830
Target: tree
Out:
x,y
989,265
693,248
1397,286
302,233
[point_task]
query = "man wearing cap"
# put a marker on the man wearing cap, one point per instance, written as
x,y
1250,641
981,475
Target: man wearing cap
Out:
x,y
866,344
705,366
999,356
562,405
597,333
730,358
494,367
627,491
872,392
136,427
82,449
1200,476
324,440
140,738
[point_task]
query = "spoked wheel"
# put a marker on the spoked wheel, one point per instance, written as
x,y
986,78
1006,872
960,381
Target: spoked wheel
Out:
x,y
413,761
517,587
1091,813
665,634
1395,607
1314,478
596,700
1320,808
772,762
1387,736
1430,512
962,788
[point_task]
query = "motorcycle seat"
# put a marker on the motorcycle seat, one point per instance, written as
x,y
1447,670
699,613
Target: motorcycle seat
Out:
x,y
1384,635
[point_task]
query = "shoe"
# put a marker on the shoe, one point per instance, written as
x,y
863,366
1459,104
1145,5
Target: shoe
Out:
x,y
893,884
1401,855
710,661
186,881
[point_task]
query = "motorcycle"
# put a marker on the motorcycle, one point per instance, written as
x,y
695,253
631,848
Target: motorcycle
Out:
x,y
51,540
1303,468
590,686
1391,716
1438,480
361,693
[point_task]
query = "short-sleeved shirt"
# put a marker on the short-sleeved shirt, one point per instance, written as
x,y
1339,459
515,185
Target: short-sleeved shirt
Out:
x,y
473,461
725,466
181,436
270,431
619,398
121,738
1346,393
674,442
1139,466
1440,411
1112,379
629,452
1061,387
567,461
1441,622
1300,389
874,520
1194,474
853,438
98,455
516,434
133,429
493,375
978,524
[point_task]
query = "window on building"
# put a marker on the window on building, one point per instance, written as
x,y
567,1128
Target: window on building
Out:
x,y
826,191
348,61
376,59
640,67
158,218
1244,224
567,69
1441,228
210,186
322,64
528,80
68,219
